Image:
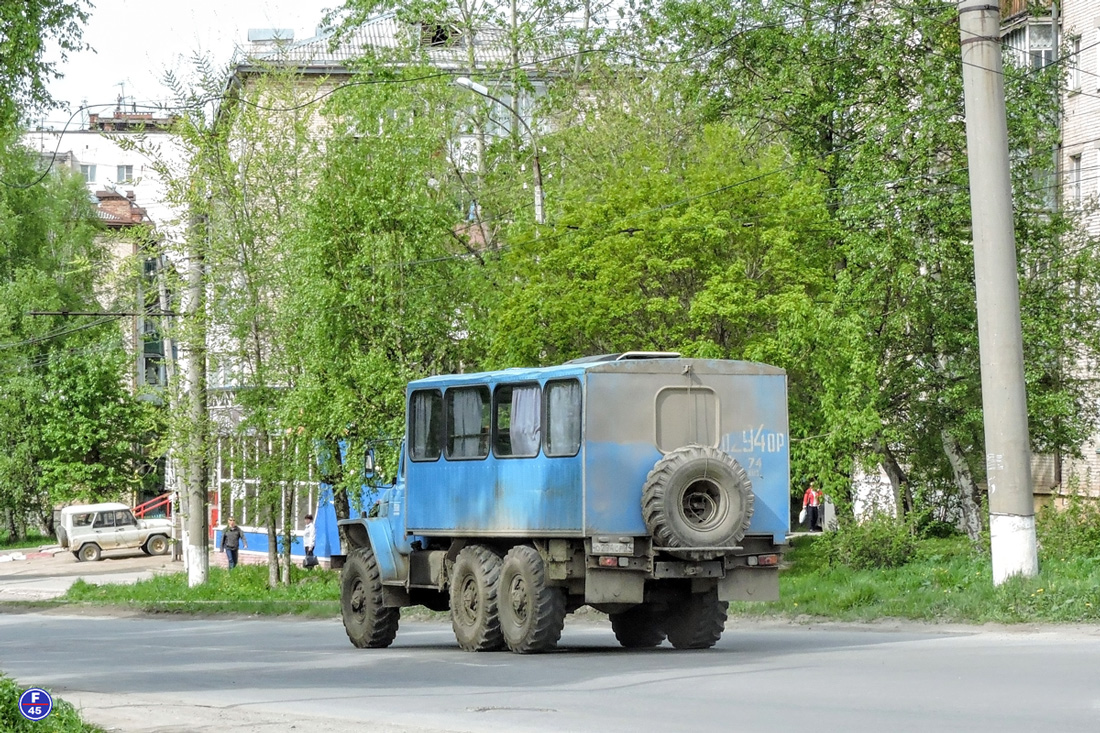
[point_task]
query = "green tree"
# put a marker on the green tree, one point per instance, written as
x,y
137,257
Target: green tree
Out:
x,y
250,166
26,29
386,275
69,426
871,96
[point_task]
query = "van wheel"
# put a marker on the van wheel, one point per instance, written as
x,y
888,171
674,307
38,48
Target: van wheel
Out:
x,y
475,587
697,621
697,497
89,552
156,545
640,627
367,622
532,613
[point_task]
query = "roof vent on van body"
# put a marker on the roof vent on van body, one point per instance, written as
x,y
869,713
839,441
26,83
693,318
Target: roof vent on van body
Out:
x,y
626,356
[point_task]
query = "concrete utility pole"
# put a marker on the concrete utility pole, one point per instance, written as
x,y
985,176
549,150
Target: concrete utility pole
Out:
x,y
198,544
1000,340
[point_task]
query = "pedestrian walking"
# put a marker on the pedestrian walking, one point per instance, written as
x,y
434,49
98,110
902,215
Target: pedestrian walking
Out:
x,y
811,505
232,540
309,539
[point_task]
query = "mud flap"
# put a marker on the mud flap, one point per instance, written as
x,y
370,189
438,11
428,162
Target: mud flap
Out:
x,y
749,584
613,586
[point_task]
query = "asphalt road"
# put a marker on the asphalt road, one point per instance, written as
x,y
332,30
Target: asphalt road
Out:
x,y
171,675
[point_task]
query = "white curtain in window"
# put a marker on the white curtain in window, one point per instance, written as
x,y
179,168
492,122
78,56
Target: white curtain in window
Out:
x,y
526,421
564,413
467,407
422,425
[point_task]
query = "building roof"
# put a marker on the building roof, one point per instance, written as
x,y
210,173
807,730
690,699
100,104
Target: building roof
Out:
x,y
437,44
119,210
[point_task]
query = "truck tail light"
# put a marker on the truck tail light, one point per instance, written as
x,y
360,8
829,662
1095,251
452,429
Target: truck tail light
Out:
x,y
755,560
609,562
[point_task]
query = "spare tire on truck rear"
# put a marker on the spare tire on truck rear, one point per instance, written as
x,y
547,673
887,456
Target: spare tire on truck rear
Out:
x,y
697,497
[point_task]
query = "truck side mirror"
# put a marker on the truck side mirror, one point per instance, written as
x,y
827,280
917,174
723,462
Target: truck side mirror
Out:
x,y
368,464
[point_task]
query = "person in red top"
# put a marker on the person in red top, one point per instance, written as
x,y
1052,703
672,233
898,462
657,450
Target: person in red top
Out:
x,y
811,502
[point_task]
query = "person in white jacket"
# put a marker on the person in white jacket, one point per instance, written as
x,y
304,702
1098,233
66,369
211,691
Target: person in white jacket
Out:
x,y
309,539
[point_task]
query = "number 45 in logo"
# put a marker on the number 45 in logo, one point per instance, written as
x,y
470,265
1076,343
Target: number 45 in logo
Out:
x,y
35,704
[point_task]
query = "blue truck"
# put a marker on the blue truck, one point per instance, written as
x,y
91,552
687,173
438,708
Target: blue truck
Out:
x,y
651,487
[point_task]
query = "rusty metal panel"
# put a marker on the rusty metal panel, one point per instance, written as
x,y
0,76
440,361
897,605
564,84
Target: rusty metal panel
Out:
x,y
624,440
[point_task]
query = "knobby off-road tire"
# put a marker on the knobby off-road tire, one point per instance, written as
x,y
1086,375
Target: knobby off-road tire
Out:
x,y
475,589
697,621
697,496
156,545
532,613
88,552
640,627
369,624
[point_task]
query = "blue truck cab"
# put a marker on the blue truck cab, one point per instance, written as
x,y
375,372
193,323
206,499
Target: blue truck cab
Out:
x,y
648,486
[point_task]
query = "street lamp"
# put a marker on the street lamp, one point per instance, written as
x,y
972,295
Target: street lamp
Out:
x,y
478,89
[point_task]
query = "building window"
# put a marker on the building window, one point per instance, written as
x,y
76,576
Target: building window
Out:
x,y
88,172
1075,63
1075,178
1031,44
125,174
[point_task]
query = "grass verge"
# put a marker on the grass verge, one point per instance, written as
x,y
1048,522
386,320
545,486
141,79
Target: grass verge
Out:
x,y
34,540
313,593
946,582
62,719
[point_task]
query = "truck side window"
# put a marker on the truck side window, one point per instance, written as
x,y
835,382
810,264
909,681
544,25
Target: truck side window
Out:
x,y
518,420
563,418
467,422
426,425
105,519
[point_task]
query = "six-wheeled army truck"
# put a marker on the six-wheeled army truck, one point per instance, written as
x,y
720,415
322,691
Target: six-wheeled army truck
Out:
x,y
650,487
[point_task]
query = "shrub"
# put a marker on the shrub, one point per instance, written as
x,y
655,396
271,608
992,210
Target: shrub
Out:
x,y
880,541
63,718
1072,531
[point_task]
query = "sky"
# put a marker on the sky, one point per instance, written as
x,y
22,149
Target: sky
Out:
x,y
136,41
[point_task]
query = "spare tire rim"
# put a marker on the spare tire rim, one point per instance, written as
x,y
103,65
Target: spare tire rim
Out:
x,y
702,505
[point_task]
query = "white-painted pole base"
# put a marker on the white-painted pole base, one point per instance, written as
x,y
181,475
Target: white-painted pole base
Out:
x,y
1012,540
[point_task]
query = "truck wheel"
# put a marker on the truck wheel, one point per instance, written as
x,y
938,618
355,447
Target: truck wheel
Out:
x,y
532,613
697,621
156,545
697,497
475,585
62,537
640,627
367,622
89,552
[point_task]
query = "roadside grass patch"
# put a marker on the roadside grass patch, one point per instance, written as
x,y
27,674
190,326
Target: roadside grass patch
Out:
x,y
62,719
947,580
34,539
244,590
